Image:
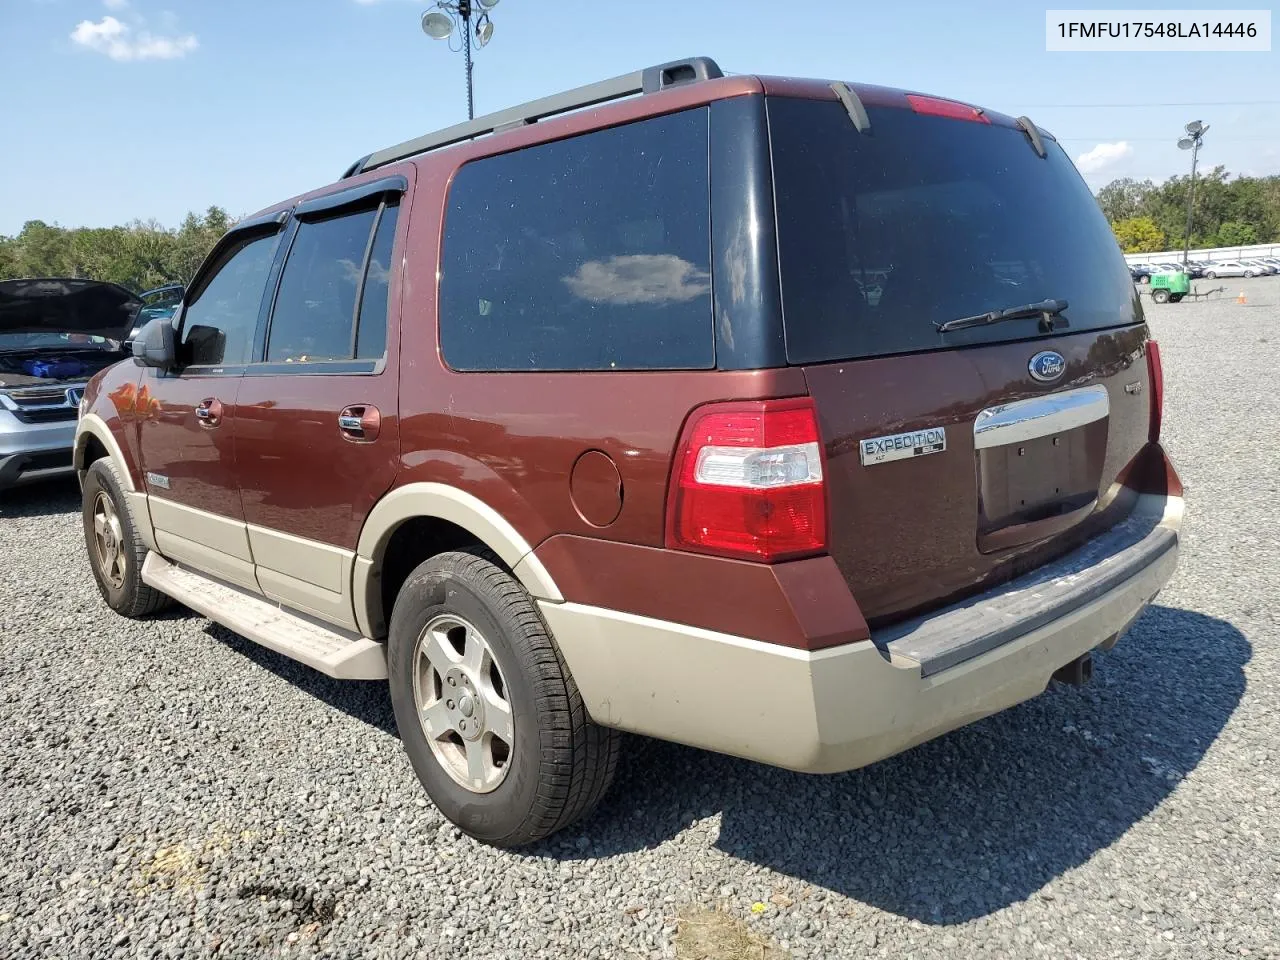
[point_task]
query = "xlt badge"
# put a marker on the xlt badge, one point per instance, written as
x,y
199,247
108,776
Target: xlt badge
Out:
x,y
900,446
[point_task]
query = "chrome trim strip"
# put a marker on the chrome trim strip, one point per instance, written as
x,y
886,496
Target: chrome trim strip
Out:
x,y
1040,416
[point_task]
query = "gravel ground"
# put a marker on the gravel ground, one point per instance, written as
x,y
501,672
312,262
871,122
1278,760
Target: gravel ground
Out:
x,y
170,789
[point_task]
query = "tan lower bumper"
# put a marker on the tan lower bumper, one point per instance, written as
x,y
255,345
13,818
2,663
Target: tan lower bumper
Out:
x,y
821,712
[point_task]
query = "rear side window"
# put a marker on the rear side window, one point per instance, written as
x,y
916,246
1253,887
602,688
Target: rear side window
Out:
x,y
590,253
925,219
219,323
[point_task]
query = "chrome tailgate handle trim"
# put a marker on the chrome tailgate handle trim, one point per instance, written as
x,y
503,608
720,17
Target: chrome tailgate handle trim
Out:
x,y
1040,416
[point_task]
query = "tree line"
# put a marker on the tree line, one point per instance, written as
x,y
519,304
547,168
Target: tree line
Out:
x,y
1228,212
139,255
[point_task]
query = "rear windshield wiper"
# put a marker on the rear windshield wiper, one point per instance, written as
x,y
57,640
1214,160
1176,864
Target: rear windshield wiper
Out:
x,y
1046,310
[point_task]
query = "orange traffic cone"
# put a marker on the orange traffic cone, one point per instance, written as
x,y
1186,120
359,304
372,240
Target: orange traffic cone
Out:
x,y
1241,299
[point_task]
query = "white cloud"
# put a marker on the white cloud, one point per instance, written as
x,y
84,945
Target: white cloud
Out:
x,y
1102,156
120,41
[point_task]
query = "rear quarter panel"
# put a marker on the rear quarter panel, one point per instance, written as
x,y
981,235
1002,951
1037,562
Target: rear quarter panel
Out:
x,y
512,439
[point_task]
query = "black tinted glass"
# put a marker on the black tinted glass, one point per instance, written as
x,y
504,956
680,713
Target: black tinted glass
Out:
x,y
586,254
315,309
924,220
371,342
218,325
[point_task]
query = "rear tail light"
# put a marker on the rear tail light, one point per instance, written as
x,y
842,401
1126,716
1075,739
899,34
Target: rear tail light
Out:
x,y
748,482
1155,371
938,107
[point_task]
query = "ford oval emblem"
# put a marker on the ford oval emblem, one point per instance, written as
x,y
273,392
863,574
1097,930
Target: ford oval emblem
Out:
x,y
1047,366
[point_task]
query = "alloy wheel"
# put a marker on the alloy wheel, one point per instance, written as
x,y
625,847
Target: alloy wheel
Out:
x,y
108,540
462,704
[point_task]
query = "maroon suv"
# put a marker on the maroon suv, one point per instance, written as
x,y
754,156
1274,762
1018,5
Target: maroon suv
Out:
x,y
796,420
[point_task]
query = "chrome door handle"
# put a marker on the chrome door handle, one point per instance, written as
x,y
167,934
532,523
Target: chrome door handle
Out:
x,y
360,422
209,412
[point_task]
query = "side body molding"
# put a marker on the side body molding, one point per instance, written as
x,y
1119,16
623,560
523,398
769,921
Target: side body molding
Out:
x,y
444,502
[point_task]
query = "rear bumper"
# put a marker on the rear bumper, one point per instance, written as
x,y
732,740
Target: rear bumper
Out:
x,y
847,706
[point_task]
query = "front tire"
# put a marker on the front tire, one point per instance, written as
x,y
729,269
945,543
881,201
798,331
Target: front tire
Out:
x,y
487,710
1210,275
1160,296
116,551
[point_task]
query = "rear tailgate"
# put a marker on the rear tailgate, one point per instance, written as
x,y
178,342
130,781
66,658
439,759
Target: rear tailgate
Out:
x,y
912,532
955,457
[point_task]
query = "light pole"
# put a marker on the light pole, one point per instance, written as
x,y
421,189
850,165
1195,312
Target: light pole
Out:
x,y
438,24
1195,134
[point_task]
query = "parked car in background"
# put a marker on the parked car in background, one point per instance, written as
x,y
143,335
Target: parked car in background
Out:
x,y
1141,272
54,335
156,303
1262,266
1230,268
160,301
592,424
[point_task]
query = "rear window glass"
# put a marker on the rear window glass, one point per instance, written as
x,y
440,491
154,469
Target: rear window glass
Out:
x,y
928,219
591,253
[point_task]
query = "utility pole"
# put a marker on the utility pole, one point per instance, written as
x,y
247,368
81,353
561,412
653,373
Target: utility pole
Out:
x,y
1195,135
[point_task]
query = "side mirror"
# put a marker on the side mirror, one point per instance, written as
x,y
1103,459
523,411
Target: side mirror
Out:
x,y
153,346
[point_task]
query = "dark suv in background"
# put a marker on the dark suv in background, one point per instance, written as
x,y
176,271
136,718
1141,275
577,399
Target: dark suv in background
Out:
x,y
796,420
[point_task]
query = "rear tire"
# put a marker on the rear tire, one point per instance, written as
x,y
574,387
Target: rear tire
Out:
x,y
1160,296
1250,274
116,551
487,710
1210,275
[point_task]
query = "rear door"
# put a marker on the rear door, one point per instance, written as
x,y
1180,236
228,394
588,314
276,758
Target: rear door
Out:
x,y
317,425
186,419
958,456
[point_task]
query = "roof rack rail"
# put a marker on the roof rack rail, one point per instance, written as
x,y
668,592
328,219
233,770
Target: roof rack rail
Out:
x,y
648,80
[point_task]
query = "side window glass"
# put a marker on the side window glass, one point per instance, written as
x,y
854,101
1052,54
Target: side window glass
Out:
x,y
315,309
590,253
219,323
371,341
